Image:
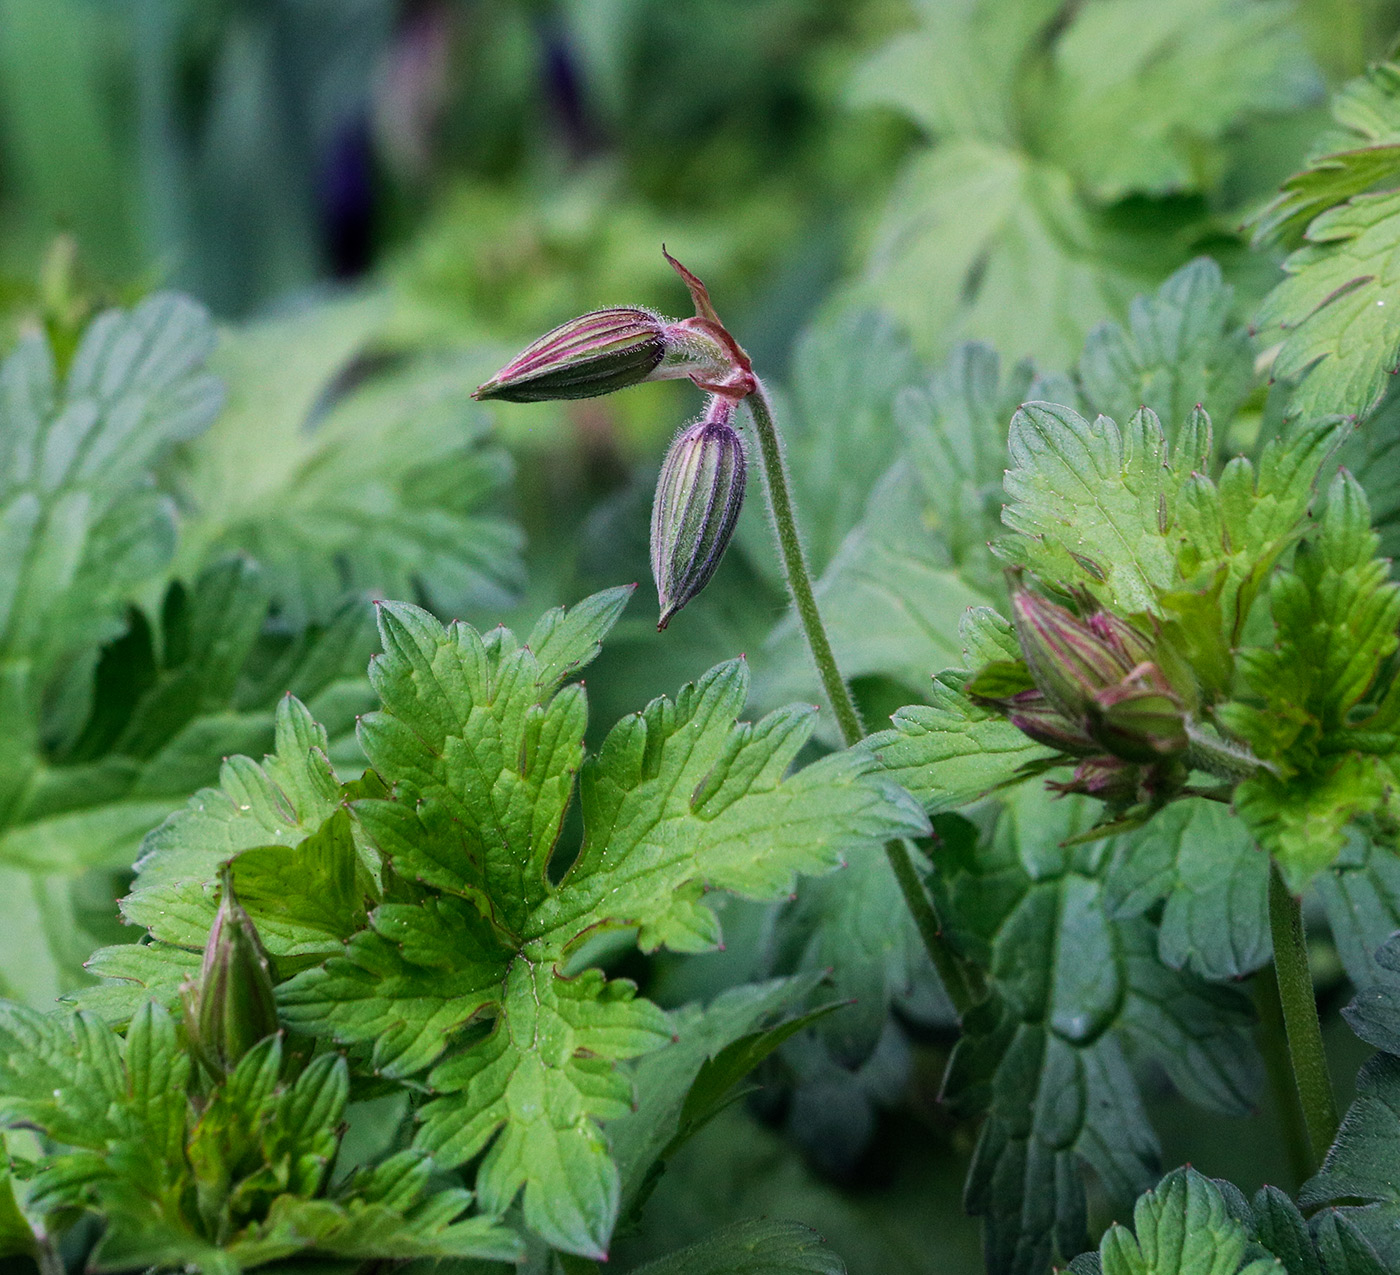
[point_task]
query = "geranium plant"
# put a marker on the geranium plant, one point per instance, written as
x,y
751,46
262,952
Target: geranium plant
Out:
x,y
391,999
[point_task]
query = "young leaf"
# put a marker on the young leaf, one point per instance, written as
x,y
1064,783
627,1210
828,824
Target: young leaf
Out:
x,y
1335,615
1092,503
757,1247
235,1183
280,802
476,747
1183,1227
1118,513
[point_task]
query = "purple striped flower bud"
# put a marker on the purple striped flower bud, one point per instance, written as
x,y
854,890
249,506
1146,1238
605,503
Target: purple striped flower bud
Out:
x,y
594,354
1099,673
1034,715
698,499
1130,643
1068,660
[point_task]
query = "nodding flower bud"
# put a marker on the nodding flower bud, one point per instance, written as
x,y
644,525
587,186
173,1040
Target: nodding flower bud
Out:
x,y
698,498
594,354
607,350
232,1007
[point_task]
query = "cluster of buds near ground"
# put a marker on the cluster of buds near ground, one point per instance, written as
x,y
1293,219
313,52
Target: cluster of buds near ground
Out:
x,y
702,483
1093,688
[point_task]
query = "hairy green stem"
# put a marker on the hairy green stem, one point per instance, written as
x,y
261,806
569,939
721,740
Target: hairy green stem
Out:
x,y
1231,762
1273,1045
1299,1004
799,580
948,964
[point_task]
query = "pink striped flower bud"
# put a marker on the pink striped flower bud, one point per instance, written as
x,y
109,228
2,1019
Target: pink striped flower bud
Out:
x,y
698,498
594,354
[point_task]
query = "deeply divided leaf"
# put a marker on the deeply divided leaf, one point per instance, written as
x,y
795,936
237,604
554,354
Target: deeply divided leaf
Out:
x,y
462,905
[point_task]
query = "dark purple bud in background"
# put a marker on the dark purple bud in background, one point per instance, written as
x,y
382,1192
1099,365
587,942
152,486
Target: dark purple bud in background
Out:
x,y
698,498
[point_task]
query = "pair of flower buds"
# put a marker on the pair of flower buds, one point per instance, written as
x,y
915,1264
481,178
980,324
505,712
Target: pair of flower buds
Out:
x,y
701,488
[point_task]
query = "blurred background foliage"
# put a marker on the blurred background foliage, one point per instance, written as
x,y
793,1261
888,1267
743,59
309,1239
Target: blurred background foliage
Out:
x,y
379,199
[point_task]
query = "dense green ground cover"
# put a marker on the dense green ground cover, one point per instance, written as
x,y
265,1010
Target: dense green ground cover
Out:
x,y
379,889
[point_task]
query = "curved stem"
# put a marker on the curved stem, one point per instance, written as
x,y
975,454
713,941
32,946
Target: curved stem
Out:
x,y
948,964
1299,1004
795,567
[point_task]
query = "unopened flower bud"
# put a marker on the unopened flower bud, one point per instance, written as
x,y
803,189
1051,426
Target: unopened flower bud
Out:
x,y
1100,684
1131,644
232,1006
698,498
1109,779
594,354
1034,715
1067,659
1140,719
